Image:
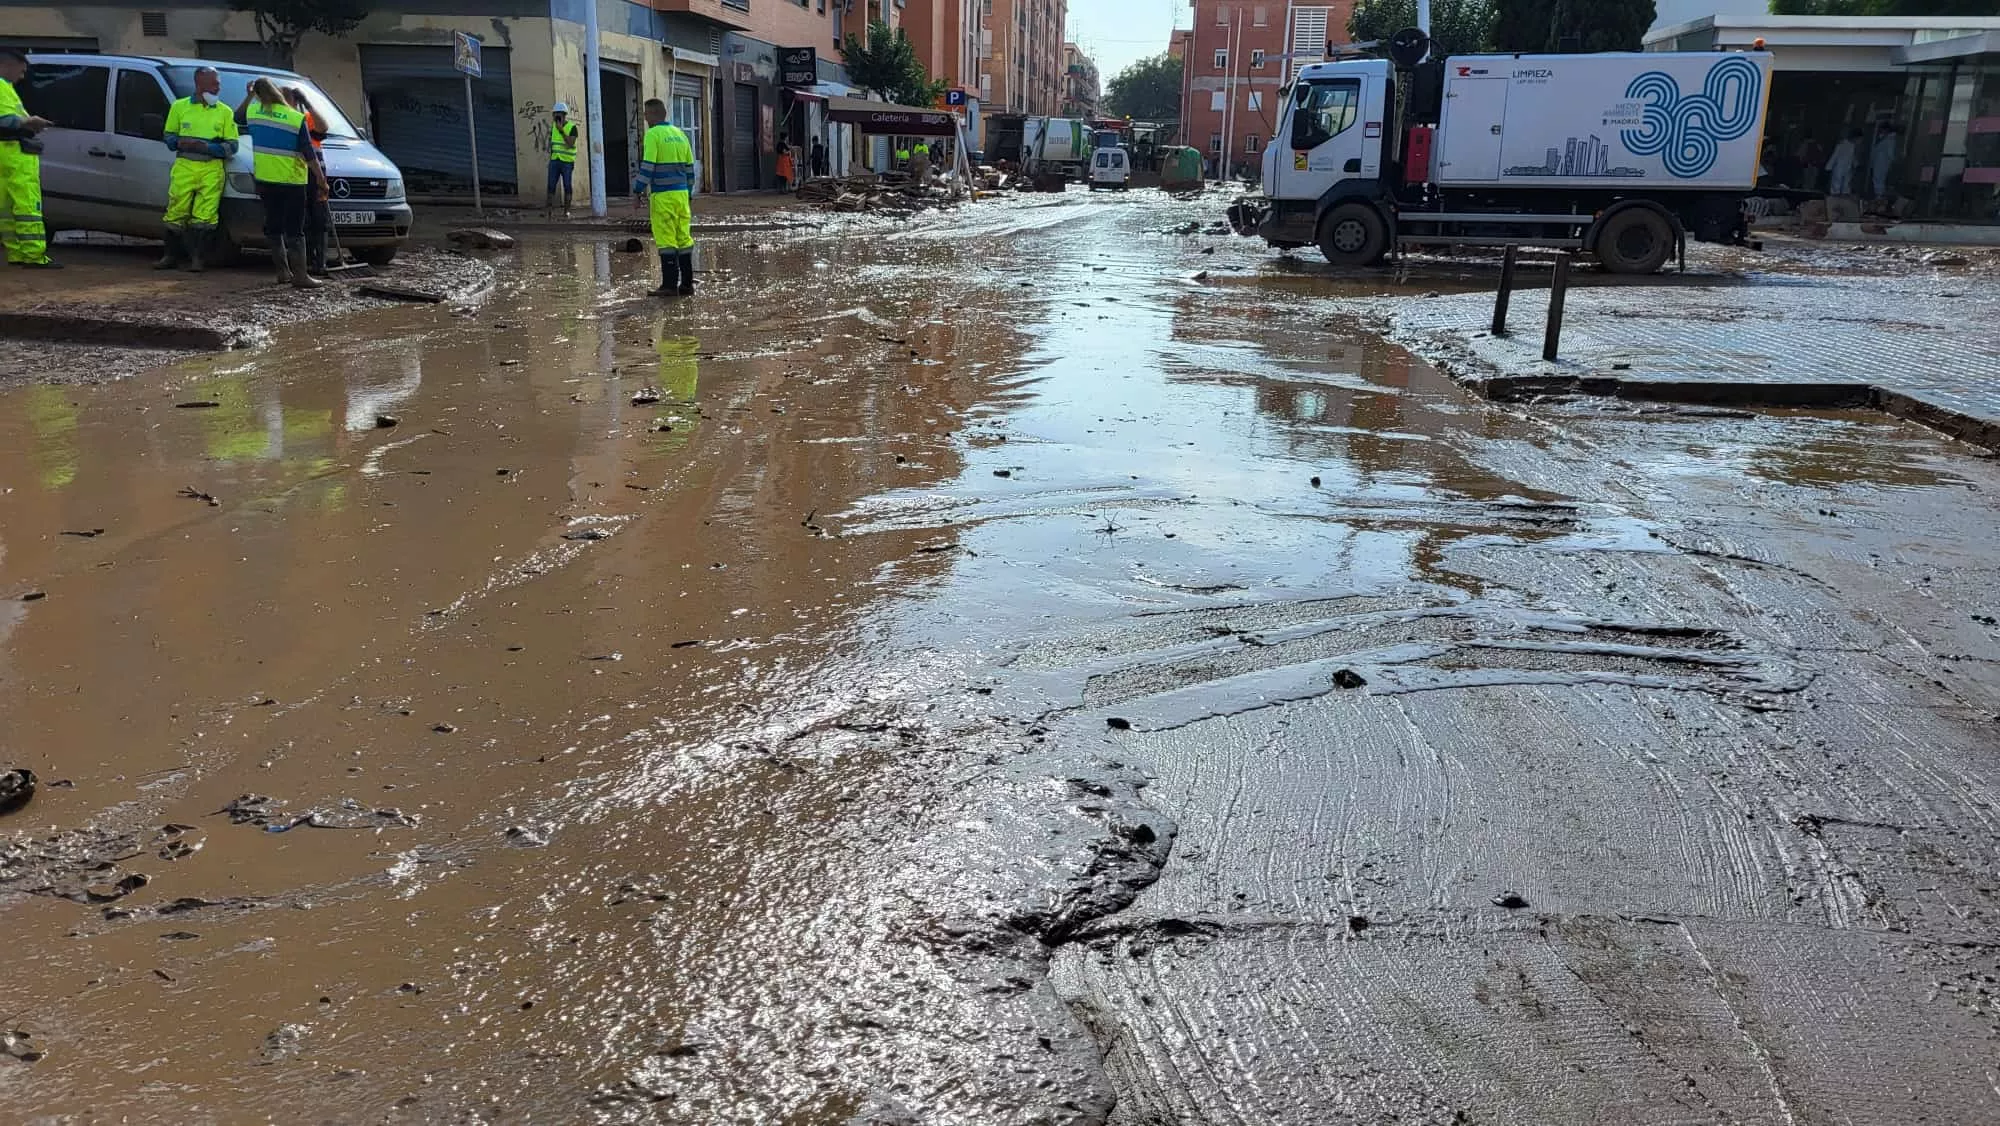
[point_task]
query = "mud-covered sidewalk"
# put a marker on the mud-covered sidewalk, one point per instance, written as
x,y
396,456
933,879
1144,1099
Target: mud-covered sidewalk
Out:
x,y
1042,665
108,315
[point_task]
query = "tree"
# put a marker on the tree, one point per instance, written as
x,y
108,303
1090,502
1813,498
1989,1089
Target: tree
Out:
x,y
1543,26
887,65
1885,7
282,23
1148,90
1458,27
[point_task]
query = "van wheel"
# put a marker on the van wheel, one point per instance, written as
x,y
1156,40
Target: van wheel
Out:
x,y
1637,240
1353,234
375,255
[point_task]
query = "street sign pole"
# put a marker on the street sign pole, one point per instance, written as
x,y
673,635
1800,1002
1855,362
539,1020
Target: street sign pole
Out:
x,y
472,133
465,56
593,102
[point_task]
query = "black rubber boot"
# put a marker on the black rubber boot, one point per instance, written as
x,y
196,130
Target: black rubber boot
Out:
x,y
197,248
669,274
175,253
686,258
281,263
316,254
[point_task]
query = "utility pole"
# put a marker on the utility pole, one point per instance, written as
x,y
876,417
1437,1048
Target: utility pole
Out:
x,y
1424,17
1229,100
593,106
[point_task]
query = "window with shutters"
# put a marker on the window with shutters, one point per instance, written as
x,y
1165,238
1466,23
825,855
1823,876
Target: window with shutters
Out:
x,y
1222,58
1309,34
1257,58
1215,142
153,25
1250,144
1218,101
1260,16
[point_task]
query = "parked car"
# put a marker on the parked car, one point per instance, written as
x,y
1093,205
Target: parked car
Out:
x,y
105,166
1110,168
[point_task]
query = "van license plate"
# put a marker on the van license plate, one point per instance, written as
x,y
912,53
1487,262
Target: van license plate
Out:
x,y
353,218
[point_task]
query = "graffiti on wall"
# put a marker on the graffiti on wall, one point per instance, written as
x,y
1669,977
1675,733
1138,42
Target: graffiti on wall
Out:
x,y
537,117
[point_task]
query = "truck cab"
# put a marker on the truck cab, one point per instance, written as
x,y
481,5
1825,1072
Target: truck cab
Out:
x,y
1330,136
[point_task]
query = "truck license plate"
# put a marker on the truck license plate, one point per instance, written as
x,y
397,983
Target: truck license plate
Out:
x,y
353,218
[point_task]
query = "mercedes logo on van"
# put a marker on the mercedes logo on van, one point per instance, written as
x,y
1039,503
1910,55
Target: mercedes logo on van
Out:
x,y
340,189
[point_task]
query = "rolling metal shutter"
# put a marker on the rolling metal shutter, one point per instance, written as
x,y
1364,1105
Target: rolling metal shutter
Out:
x,y
416,107
743,140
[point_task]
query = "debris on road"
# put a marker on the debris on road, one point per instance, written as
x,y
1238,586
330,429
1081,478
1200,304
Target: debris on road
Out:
x,y
17,786
891,192
480,238
192,493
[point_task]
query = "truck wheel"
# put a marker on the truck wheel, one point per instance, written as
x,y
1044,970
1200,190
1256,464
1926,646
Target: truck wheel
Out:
x,y
1637,240
1353,234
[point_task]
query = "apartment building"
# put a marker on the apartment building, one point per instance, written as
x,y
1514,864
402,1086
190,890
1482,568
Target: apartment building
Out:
x,y
949,37
1023,71
1082,93
1237,57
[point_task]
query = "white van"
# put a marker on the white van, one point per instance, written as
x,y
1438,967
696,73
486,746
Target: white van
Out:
x,y
105,165
1111,168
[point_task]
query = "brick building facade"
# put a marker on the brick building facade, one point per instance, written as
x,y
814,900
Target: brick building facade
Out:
x,y
1237,56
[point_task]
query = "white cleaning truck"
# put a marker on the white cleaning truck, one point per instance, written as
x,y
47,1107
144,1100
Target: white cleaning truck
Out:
x,y
1622,156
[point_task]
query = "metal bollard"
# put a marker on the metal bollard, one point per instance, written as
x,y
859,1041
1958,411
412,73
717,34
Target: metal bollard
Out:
x,y
1506,291
1559,289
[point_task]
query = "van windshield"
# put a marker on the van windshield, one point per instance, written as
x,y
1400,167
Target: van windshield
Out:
x,y
235,83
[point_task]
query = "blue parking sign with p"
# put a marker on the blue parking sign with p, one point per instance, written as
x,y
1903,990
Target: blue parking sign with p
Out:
x,y
954,97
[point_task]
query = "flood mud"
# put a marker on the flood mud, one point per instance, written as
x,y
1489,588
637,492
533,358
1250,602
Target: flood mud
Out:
x,y
1139,702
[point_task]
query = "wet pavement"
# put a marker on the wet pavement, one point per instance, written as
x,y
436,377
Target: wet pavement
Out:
x,y
1021,667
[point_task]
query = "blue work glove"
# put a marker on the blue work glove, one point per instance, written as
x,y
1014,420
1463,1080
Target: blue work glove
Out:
x,y
639,187
218,148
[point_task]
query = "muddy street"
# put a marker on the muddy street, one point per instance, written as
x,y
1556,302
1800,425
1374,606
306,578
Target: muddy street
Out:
x,y
1026,665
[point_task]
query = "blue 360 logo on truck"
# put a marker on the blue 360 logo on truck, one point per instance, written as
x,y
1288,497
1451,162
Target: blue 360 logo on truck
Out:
x,y
1688,130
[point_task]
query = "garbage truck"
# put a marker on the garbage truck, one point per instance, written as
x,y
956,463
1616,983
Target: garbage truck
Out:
x,y
1050,152
1620,156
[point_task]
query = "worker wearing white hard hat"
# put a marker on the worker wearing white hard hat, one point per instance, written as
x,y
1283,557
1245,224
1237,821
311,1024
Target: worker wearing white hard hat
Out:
x,y
562,157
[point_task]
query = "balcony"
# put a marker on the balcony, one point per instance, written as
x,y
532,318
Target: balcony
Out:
x,y
733,14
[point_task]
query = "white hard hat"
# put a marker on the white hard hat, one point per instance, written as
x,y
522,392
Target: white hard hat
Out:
x,y
561,107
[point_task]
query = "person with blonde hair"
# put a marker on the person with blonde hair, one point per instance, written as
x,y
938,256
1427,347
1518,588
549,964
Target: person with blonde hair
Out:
x,y
282,158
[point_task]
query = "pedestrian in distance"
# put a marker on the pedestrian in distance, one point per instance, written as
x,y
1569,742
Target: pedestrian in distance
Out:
x,y
1811,158
666,183
21,228
319,195
920,161
201,133
818,159
562,158
1840,166
1882,161
282,161
787,167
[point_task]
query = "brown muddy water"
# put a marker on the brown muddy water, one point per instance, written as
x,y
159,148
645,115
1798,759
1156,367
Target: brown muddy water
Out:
x,y
916,682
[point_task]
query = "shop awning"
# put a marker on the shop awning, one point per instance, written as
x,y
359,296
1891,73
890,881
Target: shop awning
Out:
x,y
886,117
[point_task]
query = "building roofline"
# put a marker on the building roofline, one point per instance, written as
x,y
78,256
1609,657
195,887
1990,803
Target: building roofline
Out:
x,y
1823,23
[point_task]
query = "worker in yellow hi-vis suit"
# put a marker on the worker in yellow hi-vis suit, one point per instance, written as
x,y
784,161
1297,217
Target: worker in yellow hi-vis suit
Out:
x,y
21,226
666,181
202,134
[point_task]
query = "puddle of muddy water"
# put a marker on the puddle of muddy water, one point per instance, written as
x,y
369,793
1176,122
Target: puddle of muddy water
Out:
x,y
743,810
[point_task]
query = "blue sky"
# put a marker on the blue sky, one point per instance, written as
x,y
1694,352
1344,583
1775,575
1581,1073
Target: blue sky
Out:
x,y
1118,33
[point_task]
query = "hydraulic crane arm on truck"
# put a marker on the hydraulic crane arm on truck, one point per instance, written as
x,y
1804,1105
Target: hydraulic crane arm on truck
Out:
x,y
1622,156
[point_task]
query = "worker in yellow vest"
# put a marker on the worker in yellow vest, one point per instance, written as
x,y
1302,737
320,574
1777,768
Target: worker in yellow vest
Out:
x,y
562,158
666,181
284,167
21,227
201,133
920,161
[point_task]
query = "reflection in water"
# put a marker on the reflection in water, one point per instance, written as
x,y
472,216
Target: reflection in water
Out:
x,y
53,418
679,372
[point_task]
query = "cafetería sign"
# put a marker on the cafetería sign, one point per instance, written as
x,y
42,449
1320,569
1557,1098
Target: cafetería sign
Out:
x,y
884,117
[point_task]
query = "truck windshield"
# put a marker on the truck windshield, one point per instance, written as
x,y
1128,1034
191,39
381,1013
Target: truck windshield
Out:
x,y
1325,111
236,82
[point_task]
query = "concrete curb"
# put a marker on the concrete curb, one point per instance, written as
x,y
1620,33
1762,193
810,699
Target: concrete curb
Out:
x,y
1977,431
78,328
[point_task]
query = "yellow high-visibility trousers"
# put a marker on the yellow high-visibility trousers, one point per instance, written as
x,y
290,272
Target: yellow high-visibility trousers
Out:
x,y
673,221
21,207
194,194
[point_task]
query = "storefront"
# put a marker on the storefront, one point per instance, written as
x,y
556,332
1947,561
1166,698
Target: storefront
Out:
x,y
1952,154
